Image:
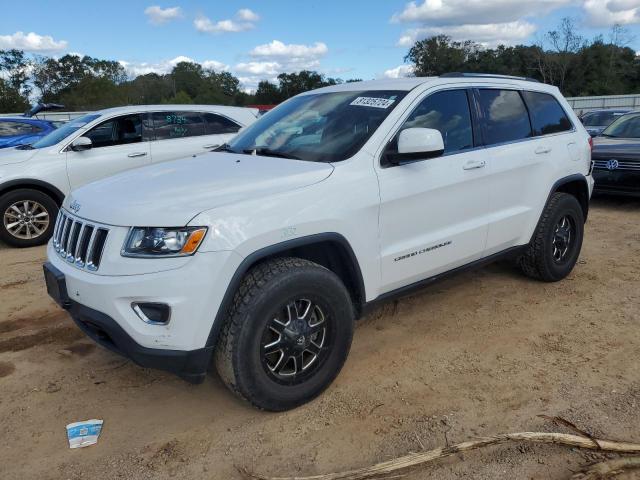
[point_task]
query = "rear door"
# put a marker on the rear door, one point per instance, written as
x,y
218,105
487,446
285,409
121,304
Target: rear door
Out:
x,y
180,134
433,213
118,144
523,133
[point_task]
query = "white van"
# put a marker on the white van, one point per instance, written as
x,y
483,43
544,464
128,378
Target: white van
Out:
x,y
34,179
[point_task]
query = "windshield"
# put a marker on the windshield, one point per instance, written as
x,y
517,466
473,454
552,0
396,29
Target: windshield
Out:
x,y
322,127
64,131
627,126
599,119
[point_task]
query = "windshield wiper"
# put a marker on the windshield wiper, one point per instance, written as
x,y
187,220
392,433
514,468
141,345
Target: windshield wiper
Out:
x,y
224,148
26,146
267,152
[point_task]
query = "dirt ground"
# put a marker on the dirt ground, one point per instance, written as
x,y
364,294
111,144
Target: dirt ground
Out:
x,y
479,354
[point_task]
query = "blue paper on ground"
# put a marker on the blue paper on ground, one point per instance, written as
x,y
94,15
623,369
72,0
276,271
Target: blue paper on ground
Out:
x,y
83,434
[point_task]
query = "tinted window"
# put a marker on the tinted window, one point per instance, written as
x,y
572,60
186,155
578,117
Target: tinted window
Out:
x,y
448,112
216,124
9,129
505,116
169,125
546,114
117,131
599,119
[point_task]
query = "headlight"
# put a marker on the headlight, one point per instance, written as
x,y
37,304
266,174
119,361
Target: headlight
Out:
x,y
163,242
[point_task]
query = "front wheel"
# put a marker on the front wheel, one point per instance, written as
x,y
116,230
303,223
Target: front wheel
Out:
x,y
557,241
287,335
28,217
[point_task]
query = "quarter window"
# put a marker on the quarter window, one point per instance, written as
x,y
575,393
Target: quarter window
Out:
x,y
217,124
546,114
446,111
168,125
505,116
118,131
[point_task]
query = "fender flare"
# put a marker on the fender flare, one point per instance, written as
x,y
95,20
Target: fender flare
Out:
x,y
270,251
58,196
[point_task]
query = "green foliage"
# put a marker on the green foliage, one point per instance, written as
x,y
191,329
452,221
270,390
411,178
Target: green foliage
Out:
x,y
575,66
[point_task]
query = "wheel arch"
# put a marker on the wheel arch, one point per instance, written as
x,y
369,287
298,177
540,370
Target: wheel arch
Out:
x,y
575,185
34,184
331,250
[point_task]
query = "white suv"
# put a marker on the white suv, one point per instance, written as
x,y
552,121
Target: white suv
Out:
x,y
262,254
35,178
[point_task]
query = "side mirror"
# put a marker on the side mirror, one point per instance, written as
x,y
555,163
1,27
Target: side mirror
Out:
x,y
415,144
81,144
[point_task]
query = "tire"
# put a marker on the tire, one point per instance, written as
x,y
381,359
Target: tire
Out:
x,y
256,320
546,258
37,227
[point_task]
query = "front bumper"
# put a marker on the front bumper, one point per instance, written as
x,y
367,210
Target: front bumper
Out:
x,y
101,305
617,182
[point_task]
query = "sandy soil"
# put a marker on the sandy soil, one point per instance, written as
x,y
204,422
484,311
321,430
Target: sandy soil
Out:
x,y
479,354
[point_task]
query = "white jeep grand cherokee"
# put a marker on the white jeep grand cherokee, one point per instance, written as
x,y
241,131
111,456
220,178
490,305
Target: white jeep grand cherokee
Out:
x,y
337,199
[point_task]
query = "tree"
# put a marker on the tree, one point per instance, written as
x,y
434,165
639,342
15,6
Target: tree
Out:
x,y
14,67
439,54
11,100
267,93
187,77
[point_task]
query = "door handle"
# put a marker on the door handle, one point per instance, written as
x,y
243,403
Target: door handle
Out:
x,y
473,164
137,154
542,150
211,146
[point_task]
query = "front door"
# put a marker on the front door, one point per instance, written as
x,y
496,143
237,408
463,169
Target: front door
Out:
x,y
118,144
434,213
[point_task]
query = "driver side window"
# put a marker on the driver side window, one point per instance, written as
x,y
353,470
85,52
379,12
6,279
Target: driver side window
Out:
x,y
447,111
118,131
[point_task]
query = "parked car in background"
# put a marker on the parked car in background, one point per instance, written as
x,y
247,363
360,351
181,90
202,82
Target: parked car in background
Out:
x,y
25,129
35,178
262,254
616,157
596,121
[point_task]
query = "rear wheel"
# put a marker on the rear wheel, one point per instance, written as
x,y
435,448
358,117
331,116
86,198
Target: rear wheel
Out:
x,y
287,335
28,217
557,241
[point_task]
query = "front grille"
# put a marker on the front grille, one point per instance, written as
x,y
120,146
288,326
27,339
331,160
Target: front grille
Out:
x,y
621,165
79,241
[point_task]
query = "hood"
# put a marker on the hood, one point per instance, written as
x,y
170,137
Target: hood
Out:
x,y
170,194
608,147
12,155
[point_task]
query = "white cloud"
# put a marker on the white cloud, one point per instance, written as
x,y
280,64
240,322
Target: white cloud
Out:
x,y
399,72
604,13
32,42
165,66
270,69
278,49
488,35
489,22
247,15
245,20
458,12
159,16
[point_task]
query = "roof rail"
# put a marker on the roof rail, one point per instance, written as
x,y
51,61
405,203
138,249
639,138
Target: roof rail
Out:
x,y
486,75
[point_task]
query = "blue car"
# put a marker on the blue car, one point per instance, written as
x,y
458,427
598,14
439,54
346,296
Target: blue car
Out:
x,y
15,131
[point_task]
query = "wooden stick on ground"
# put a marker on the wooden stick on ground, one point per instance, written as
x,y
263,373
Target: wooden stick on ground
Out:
x,y
424,458
608,469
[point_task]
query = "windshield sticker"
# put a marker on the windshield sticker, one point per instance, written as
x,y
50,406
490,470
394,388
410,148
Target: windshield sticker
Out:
x,y
373,102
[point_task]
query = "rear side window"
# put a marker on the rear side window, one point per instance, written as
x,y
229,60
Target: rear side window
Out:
x,y
546,114
172,125
505,116
217,124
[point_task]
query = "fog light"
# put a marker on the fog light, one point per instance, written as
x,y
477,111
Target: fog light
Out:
x,y
153,313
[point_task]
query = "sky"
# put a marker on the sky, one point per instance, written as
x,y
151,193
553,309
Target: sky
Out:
x,y
258,39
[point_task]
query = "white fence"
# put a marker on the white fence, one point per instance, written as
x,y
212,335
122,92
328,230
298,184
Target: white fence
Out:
x,y
584,104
